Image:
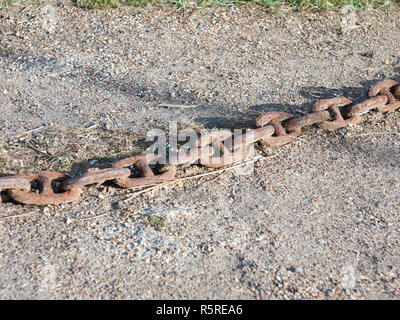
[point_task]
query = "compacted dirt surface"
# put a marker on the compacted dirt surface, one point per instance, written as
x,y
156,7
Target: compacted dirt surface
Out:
x,y
80,88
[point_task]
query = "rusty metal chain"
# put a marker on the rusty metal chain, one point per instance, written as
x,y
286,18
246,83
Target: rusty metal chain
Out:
x,y
147,177
274,119
216,149
47,182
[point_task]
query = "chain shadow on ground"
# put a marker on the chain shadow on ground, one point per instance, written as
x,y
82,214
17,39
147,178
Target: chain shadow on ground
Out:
x,y
356,93
312,94
232,120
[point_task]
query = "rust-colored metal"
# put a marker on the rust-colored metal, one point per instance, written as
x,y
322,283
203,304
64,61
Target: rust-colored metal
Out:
x,y
384,88
294,126
274,118
333,106
366,106
46,193
380,87
227,158
231,149
392,106
396,91
146,175
202,147
97,176
252,136
14,183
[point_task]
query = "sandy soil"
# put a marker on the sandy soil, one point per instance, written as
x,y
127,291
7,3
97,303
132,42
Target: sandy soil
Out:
x,y
319,221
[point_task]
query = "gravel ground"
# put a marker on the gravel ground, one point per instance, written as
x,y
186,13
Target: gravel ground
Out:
x,y
318,221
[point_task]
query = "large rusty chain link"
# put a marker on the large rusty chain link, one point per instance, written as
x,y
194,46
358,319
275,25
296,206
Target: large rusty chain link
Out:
x,y
47,181
216,149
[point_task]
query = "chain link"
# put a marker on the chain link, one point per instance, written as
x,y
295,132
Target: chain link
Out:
x,y
274,119
295,125
146,175
47,184
333,105
217,149
365,106
14,183
384,88
96,176
202,148
396,92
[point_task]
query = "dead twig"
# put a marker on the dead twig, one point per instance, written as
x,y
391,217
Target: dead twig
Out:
x,y
30,131
374,134
19,215
184,106
36,149
152,187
